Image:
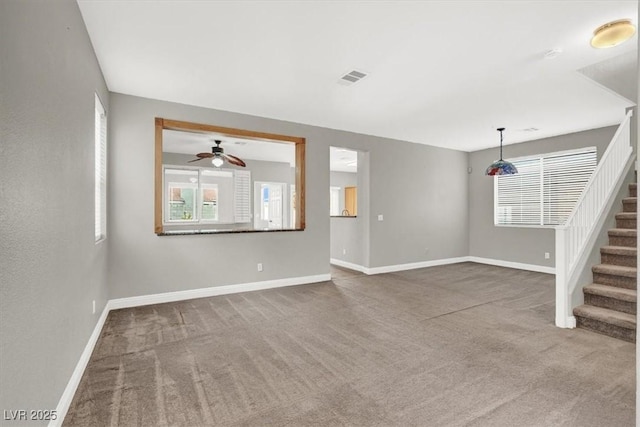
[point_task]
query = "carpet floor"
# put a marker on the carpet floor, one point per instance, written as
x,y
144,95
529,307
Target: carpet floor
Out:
x,y
457,345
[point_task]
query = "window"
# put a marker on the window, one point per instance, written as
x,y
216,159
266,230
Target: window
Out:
x,y
201,195
545,189
100,166
334,201
209,202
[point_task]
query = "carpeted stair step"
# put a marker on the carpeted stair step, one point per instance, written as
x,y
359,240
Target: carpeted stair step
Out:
x,y
629,204
626,220
615,275
623,237
611,297
619,255
633,189
605,321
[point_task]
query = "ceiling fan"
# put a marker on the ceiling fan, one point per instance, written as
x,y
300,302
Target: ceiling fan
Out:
x,y
218,157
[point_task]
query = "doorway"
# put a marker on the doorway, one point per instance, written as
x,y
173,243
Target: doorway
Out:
x,y
269,210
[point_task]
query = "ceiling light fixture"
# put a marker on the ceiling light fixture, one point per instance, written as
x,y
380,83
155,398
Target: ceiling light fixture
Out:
x,y
217,161
613,33
501,167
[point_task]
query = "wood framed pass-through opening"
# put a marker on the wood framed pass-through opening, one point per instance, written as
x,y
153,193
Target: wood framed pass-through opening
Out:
x,y
164,194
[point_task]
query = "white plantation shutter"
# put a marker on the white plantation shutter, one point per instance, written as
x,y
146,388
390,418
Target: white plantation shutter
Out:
x,y
545,189
242,197
100,154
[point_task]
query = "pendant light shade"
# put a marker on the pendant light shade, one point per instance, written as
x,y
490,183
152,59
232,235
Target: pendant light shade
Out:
x,y
501,167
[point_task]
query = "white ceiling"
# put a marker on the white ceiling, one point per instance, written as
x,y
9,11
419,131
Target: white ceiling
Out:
x,y
343,160
444,73
192,143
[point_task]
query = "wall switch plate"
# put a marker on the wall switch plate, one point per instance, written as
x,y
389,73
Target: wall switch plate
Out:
x,y
344,251
93,305
546,255
259,266
380,217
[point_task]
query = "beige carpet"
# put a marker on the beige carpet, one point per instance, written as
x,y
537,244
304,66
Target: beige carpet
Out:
x,y
464,344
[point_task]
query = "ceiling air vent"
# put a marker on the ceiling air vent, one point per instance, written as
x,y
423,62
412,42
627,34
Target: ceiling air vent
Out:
x,y
352,77
530,130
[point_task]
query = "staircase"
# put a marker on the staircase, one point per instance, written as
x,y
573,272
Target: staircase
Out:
x,y
610,301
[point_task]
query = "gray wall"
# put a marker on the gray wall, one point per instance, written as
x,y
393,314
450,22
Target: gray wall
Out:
x,y
51,269
422,193
347,233
518,244
431,184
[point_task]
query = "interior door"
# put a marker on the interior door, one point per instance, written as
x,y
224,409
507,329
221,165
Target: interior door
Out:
x,y
269,211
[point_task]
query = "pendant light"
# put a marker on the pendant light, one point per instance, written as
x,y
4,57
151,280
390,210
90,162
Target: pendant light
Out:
x,y
501,167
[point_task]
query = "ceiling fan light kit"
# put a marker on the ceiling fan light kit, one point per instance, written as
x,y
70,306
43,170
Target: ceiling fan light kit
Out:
x,y
218,157
501,167
613,33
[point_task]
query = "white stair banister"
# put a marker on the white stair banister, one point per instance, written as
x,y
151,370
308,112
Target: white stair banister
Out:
x,y
573,236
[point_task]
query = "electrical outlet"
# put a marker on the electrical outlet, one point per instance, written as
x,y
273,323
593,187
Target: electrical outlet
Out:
x,y
546,255
93,305
259,266
380,217
344,251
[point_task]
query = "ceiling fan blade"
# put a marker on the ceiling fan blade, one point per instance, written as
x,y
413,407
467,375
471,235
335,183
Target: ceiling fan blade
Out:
x,y
204,155
195,160
234,160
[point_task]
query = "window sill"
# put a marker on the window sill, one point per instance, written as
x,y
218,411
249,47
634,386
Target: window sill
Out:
x,y
222,231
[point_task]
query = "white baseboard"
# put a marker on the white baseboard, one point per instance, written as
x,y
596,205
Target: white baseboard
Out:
x,y
348,265
510,264
76,376
444,261
397,267
214,291
414,265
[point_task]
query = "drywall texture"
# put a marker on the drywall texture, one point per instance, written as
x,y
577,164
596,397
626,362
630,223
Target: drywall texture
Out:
x,y
420,204
51,269
518,244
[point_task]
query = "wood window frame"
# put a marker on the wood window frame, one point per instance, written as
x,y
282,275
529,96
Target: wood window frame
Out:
x,y
161,124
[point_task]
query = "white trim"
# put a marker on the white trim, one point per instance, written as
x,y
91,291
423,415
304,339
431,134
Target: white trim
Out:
x,y
397,267
414,265
214,291
511,264
348,265
568,322
76,376
444,261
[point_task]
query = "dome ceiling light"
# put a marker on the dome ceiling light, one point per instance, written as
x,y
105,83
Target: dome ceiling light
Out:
x,y
613,33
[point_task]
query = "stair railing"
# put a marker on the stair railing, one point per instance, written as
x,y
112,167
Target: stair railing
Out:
x,y
580,227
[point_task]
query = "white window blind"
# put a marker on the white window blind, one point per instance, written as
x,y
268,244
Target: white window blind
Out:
x,y
242,195
100,192
545,189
